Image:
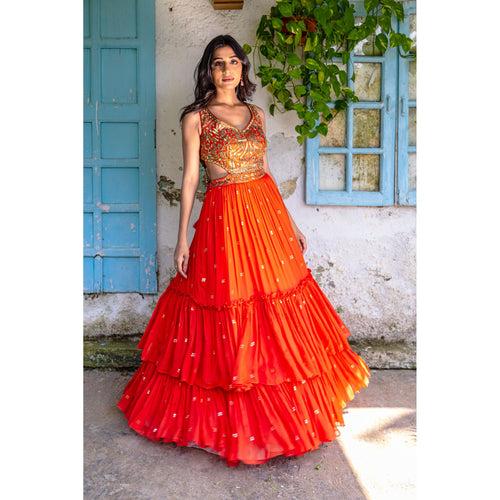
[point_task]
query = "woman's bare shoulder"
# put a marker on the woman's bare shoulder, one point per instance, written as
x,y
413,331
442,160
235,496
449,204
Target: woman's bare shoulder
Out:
x,y
259,110
191,120
192,117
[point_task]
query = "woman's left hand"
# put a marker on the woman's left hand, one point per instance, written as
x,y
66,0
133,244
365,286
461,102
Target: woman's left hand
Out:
x,y
301,239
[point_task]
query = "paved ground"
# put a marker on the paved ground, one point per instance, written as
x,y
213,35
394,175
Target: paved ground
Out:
x,y
374,456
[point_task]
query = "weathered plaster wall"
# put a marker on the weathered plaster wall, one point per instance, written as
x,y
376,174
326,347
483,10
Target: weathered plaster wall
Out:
x,y
364,258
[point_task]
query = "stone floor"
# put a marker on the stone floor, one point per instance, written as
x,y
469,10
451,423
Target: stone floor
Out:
x,y
374,457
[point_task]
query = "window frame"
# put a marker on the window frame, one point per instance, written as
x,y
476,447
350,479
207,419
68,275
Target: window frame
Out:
x,y
405,195
394,147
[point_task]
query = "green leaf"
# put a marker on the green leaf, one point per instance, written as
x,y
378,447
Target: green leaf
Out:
x,y
285,9
283,95
308,4
333,69
349,18
323,107
309,44
340,104
395,39
271,109
292,26
312,64
277,23
335,85
370,24
280,36
325,89
316,95
330,54
315,39
295,73
246,48
407,43
348,92
300,90
322,128
354,34
321,14
280,57
262,26
385,21
399,11
293,59
371,4
299,107
381,42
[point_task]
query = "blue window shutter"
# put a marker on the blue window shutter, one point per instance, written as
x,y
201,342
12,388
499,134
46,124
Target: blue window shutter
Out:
x,y
348,193
407,150
119,146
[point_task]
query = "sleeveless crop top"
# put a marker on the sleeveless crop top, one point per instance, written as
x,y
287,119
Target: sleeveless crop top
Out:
x,y
239,152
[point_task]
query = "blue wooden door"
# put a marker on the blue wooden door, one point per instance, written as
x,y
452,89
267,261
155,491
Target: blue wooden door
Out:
x,y
119,146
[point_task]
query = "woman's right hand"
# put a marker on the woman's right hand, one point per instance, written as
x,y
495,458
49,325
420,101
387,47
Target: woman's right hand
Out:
x,y
181,257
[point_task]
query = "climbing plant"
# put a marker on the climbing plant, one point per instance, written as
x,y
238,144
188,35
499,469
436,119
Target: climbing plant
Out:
x,y
306,45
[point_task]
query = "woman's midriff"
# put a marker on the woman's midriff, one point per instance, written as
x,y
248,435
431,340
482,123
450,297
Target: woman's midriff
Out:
x,y
215,172
219,176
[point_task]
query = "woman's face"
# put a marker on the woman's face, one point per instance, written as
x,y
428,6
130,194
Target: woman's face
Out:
x,y
226,68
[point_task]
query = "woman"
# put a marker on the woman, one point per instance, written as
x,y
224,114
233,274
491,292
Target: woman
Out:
x,y
244,356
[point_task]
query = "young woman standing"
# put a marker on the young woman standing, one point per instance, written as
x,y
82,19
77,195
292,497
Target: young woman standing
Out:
x,y
244,355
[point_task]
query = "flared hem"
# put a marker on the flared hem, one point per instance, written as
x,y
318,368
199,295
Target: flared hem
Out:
x,y
253,426
291,453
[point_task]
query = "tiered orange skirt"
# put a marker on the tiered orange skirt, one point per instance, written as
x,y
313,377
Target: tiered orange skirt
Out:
x,y
246,357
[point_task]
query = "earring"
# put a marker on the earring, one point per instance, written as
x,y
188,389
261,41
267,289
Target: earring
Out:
x,y
241,82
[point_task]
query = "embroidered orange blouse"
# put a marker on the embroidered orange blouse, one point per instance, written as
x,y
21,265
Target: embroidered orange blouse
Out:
x,y
239,152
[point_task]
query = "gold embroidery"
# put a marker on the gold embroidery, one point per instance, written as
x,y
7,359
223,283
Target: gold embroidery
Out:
x,y
239,152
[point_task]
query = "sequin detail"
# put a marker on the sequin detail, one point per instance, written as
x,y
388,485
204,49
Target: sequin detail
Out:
x,y
239,152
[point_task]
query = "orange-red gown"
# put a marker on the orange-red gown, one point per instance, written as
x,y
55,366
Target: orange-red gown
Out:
x,y
246,357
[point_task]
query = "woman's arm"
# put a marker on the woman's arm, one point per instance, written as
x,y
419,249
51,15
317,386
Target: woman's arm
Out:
x,y
300,237
190,180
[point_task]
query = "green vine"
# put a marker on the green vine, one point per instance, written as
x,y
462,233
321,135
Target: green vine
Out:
x,y
307,45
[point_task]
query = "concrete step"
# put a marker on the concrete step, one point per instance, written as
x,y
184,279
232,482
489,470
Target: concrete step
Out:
x,y
122,353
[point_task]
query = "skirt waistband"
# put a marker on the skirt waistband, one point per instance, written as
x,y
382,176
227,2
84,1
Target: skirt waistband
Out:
x,y
236,178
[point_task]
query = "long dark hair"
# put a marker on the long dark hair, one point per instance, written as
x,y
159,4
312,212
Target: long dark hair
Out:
x,y
205,88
